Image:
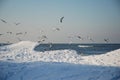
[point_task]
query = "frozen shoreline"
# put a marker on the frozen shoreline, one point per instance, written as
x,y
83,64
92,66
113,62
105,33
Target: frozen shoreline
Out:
x,y
24,52
20,62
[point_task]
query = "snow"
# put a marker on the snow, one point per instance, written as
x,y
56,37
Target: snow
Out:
x,y
20,61
24,52
57,71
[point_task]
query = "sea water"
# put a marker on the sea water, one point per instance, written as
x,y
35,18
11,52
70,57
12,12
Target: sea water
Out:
x,y
87,49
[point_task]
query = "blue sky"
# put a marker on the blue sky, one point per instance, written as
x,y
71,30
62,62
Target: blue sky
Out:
x,y
98,19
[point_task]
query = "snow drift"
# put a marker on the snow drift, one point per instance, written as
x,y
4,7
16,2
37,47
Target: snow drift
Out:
x,y
24,52
21,62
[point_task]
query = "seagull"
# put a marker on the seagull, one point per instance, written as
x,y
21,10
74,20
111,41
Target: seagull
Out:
x,y
106,40
25,33
19,33
44,36
1,34
9,32
50,45
8,42
3,20
41,40
56,29
70,39
19,39
17,24
90,38
61,19
79,37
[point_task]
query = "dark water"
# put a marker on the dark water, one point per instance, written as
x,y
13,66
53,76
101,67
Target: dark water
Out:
x,y
87,49
3,44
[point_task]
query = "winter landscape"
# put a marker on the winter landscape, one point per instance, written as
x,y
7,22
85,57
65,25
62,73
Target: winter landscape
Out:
x,y
20,61
59,40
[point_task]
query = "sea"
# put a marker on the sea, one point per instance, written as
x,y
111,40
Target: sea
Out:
x,y
86,49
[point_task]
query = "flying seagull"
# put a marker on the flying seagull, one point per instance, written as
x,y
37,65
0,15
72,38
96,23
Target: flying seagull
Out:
x,y
25,32
20,33
40,41
79,37
61,19
56,29
9,32
17,24
3,20
50,45
19,39
1,34
90,38
42,38
106,40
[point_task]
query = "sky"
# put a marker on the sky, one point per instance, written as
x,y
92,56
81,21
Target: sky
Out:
x,y
98,19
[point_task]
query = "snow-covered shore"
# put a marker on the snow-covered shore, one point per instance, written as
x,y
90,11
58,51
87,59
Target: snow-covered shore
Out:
x,y
24,52
56,71
20,62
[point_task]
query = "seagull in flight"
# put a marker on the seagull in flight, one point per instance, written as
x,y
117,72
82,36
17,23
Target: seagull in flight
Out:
x,y
9,32
19,39
90,39
44,36
19,33
1,34
106,40
56,29
79,37
17,24
3,20
61,19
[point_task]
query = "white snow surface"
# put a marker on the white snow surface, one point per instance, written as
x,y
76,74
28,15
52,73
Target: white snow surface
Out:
x,y
24,52
20,62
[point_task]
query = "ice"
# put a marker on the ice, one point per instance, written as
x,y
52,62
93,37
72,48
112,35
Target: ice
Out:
x,y
56,71
24,52
20,61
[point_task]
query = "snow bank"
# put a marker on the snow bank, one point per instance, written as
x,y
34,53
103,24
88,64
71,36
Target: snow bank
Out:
x,y
31,65
24,52
109,59
56,71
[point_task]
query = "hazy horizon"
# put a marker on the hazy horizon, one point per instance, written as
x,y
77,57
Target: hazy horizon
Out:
x,y
96,19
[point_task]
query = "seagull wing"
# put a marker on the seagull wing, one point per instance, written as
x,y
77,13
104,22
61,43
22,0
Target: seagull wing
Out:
x,y
3,20
61,19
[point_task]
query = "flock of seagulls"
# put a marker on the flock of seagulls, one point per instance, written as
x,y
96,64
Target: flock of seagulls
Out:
x,y
6,22
9,32
44,37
